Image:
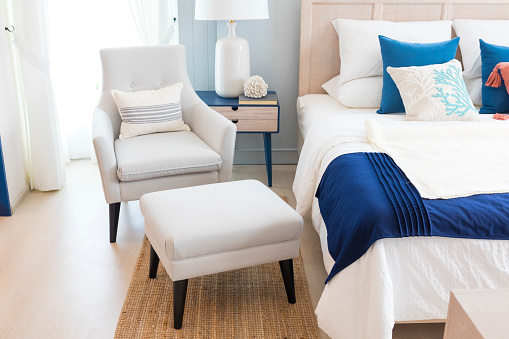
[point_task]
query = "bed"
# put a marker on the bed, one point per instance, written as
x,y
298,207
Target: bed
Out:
x,y
396,280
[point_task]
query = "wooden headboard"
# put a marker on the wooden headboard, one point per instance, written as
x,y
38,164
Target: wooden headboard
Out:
x,y
319,46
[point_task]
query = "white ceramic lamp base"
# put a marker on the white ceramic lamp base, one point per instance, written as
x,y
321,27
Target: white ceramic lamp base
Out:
x,y
232,64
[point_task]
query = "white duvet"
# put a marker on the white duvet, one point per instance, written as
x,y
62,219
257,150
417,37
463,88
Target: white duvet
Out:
x,y
405,279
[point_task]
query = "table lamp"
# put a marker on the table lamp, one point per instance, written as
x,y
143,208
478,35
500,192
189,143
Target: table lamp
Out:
x,y
232,52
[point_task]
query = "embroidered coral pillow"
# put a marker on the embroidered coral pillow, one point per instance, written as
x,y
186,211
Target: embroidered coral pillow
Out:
x,y
434,92
150,111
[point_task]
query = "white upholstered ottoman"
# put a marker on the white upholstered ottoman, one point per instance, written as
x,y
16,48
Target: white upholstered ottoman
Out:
x,y
214,228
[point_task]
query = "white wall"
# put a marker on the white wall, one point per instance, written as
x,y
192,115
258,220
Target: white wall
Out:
x,y
274,46
10,129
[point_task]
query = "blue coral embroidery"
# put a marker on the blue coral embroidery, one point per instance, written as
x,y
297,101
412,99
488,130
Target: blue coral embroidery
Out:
x,y
459,102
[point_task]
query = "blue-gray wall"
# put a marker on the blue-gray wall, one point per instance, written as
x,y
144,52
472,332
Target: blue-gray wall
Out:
x,y
274,47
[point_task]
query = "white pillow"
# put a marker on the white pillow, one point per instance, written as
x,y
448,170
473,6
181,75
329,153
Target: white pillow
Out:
x,y
150,111
474,87
359,93
470,31
434,92
359,47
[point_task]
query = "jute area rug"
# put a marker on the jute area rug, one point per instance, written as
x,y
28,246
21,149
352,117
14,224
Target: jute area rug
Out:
x,y
245,303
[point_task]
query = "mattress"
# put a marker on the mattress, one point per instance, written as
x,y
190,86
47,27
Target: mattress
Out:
x,y
315,107
405,279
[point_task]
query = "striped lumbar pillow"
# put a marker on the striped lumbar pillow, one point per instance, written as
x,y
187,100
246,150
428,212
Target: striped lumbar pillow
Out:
x,y
151,111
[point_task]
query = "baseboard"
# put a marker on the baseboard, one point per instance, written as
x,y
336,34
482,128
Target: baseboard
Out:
x,y
21,196
257,157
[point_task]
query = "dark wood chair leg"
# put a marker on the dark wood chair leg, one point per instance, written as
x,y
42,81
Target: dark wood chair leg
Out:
x,y
179,302
114,214
154,263
287,272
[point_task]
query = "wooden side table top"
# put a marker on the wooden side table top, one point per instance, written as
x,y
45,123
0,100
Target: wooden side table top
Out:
x,y
478,314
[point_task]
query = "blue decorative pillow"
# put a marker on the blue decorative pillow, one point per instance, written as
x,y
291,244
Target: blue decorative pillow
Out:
x,y
405,54
494,100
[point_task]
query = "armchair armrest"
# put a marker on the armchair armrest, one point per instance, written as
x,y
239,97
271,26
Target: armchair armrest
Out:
x,y
104,146
217,132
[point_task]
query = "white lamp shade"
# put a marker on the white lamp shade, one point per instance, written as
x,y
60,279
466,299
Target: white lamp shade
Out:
x,y
231,9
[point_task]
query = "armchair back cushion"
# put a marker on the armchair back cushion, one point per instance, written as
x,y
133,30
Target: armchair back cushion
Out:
x,y
132,69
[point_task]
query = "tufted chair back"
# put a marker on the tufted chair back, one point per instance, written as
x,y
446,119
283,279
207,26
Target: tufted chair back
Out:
x,y
140,68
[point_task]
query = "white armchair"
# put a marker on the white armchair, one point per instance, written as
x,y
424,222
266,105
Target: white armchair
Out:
x,y
158,161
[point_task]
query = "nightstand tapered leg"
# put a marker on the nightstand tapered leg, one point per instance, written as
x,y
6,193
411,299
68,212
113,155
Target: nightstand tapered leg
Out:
x,y
267,142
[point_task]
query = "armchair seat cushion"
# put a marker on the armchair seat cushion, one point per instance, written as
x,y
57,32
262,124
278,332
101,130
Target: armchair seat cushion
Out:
x,y
164,154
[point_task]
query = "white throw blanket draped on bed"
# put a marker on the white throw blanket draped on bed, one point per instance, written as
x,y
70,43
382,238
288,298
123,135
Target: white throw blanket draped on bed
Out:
x,y
447,160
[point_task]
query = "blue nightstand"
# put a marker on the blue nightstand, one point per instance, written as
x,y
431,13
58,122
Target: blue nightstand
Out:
x,y
249,119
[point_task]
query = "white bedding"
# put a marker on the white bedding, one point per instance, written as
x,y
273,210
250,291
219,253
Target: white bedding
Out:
x,y
314,107
396,279
429,152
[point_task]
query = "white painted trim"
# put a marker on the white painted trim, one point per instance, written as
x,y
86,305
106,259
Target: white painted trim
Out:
x,y
20,197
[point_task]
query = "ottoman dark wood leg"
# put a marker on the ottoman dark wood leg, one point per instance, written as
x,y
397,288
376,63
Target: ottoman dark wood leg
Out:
x,y
154,263
179,302
114,214
287,272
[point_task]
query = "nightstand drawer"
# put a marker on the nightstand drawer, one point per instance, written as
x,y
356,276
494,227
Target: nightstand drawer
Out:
x,y
251,113
252,125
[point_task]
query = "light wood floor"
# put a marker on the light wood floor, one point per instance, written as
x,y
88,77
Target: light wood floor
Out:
x,y
61,278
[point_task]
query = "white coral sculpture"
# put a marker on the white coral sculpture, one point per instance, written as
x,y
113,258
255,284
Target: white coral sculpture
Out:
x,y
255,87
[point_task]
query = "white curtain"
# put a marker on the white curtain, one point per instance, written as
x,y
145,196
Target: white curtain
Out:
x,y
78,30
154,21
43,141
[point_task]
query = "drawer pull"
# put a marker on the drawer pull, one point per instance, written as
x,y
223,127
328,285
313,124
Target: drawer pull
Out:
x,y
235,108
235,121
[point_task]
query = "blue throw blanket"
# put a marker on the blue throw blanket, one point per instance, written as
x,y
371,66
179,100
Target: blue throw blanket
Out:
x,y
364,197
